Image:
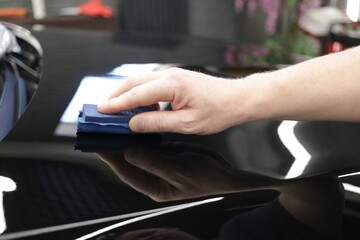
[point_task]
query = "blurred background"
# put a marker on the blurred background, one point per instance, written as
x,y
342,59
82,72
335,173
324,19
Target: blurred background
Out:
x,y
250,32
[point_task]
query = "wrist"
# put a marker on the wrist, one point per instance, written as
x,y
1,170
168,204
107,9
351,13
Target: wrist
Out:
x,y
254,98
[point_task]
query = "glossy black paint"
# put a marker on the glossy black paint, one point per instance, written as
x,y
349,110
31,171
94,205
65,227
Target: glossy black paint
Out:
x,y
247,164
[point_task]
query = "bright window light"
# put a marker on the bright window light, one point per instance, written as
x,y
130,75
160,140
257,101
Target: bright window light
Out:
x,y
92,90
96,89
135,69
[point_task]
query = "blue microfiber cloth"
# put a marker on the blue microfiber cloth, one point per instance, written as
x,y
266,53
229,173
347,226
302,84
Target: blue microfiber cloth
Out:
x,y
92,121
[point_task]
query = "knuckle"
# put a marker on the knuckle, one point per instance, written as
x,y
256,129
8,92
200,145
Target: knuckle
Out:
x,y
135,95
180,176
160,123
160,197
113,104
173,78
175,74
165,86
176,78
157,198
163,193
189,124
173,69
126,82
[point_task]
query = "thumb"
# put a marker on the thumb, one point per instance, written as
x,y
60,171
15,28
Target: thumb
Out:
x,y
156,121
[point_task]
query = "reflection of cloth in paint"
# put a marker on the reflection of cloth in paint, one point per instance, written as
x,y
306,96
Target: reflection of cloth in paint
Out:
x,y
114,143
271,221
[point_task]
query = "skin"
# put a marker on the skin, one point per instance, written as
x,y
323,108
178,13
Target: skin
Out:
x,y
323,88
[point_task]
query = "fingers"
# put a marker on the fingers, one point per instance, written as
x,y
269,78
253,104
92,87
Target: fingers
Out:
x,y
137,178
179,147
175,172
146,94
204,151
149,161
134,81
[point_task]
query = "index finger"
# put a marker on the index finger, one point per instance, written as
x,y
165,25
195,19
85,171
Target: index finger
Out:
x,y
139,79
146,94
135,177
134,81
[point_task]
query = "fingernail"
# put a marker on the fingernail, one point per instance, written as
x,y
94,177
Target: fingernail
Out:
x,y
101,104
137,125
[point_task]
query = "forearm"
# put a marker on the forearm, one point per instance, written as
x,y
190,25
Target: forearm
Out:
x,y
324,88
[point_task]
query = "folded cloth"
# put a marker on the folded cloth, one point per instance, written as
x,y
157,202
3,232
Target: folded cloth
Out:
x,y
92,121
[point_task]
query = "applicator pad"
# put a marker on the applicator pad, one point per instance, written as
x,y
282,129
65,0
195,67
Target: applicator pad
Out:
x,y
92,121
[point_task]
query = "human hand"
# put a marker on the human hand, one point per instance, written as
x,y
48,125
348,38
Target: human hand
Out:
x,y
177,171
201,104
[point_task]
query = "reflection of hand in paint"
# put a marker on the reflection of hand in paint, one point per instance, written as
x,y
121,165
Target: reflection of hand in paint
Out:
x,y
179,171
157,233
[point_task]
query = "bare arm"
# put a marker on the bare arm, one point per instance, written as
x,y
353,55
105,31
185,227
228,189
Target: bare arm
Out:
x,y
324,88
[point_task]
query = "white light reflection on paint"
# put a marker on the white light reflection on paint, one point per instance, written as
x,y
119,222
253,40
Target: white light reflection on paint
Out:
x,y
137,219
351,188
302,157
349,174
6,185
